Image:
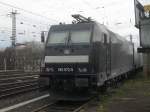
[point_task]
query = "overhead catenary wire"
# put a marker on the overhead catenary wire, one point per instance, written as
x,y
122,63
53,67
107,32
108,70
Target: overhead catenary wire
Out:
x,y
40,26
33,13
28,22
3,15
24,18
95,9
103,6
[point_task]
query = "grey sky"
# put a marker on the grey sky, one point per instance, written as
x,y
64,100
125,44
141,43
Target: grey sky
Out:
x,y
118,15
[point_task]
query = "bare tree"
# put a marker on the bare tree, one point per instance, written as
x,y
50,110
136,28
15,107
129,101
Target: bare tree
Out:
x,y
27,57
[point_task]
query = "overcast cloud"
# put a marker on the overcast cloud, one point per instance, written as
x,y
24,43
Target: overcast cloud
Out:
x,y
118,15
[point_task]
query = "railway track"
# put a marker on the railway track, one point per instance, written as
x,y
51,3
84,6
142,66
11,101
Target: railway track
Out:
x,y
17,74
15,82
10,71
62,106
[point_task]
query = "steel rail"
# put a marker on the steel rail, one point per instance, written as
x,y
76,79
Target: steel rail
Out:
x,y
42,107
33,76
20,82
16,82
19,91
11,76
19,87
73,108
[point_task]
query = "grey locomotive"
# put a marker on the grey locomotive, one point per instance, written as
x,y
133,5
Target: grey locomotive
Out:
x,y
81,57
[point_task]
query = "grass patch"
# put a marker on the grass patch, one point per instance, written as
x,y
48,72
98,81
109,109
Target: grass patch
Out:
x,y
137,85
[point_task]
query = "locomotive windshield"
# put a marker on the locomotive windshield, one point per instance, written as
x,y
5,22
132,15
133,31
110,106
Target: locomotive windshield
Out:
x,y
80,36
58,37
63,37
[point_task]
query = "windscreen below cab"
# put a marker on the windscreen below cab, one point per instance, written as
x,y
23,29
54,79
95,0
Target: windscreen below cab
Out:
x,y
71,37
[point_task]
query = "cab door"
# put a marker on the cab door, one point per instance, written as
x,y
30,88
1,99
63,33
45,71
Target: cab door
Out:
x,y
107,43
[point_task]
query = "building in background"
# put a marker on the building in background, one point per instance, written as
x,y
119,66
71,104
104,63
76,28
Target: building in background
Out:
x,y
142,22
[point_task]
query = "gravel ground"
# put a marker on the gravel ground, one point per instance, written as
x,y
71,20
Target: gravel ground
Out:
x,y
32,106
132,96
15,99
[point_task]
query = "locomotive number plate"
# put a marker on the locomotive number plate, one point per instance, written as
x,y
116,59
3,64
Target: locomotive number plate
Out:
x,y
65,69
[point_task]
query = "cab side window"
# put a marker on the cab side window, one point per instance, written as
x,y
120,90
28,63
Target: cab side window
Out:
x,y
105,38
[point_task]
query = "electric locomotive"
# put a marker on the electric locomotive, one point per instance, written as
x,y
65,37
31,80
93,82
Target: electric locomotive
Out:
x,y
81,57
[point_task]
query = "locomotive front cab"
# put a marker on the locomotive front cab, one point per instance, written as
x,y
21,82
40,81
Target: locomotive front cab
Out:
x,y
68,57
68,49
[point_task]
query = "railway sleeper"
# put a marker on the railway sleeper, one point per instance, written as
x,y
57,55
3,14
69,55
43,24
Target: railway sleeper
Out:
x,y
19,91
18,88
12,85
16,75
17,79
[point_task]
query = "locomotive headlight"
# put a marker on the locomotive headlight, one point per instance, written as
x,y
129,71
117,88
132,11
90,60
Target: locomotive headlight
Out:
x,y
49,69
82,69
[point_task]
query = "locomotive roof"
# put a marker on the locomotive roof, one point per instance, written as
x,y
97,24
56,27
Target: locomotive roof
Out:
x,y
104,29
86,25
71,26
